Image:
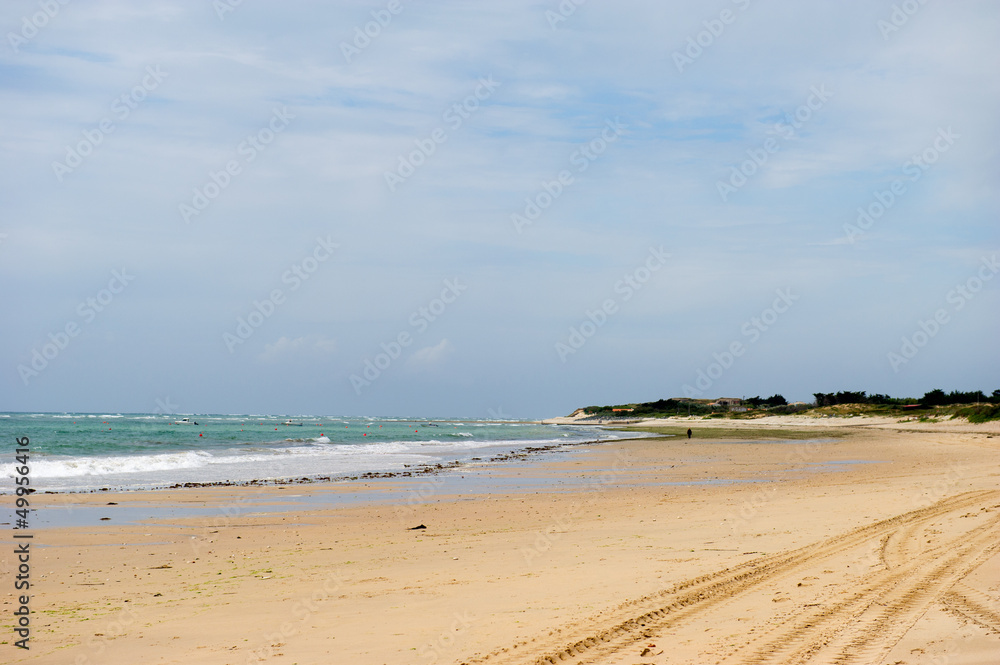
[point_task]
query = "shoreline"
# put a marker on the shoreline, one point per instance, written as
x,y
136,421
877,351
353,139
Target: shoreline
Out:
x,y
411,471
144,453
596,538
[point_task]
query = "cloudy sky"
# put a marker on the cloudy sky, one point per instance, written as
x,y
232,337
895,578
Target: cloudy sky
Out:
x,y
494,209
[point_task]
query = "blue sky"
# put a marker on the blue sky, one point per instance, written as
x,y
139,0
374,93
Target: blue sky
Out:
x,y
218,159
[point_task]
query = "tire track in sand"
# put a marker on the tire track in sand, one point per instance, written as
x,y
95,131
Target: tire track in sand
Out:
x,y
966,603
906,584
864,626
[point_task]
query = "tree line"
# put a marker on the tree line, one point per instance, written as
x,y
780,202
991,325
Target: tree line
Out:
x,y
777,402
936,397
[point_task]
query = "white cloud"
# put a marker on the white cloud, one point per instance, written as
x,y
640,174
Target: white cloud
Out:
x,y
325,175
430,356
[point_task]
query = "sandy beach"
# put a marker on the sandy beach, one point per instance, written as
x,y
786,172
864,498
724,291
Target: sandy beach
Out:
x,y
823,541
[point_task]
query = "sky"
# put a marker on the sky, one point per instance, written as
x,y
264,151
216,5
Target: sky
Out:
x,y
493,209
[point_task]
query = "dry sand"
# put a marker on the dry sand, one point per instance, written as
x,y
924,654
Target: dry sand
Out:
x,y
794,552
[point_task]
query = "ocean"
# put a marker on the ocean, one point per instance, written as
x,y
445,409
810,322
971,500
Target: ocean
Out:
x,y
81,452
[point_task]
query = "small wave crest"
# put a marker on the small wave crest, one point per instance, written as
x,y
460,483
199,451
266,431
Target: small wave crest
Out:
x,y
96,466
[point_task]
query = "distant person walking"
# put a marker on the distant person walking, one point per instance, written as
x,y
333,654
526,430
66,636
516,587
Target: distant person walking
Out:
x,y
689,433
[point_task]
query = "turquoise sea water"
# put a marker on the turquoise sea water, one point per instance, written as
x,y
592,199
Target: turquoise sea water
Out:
x,y
82,452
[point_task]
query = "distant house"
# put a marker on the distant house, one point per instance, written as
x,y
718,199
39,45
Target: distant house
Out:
x,y
731,403
623,409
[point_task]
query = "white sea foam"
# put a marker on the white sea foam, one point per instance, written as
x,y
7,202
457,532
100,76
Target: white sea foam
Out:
x,y
254,458
99,466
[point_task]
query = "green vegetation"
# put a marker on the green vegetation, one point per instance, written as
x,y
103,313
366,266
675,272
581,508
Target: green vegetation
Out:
x,y
664,408
934,405
979,414
935,397
772,401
